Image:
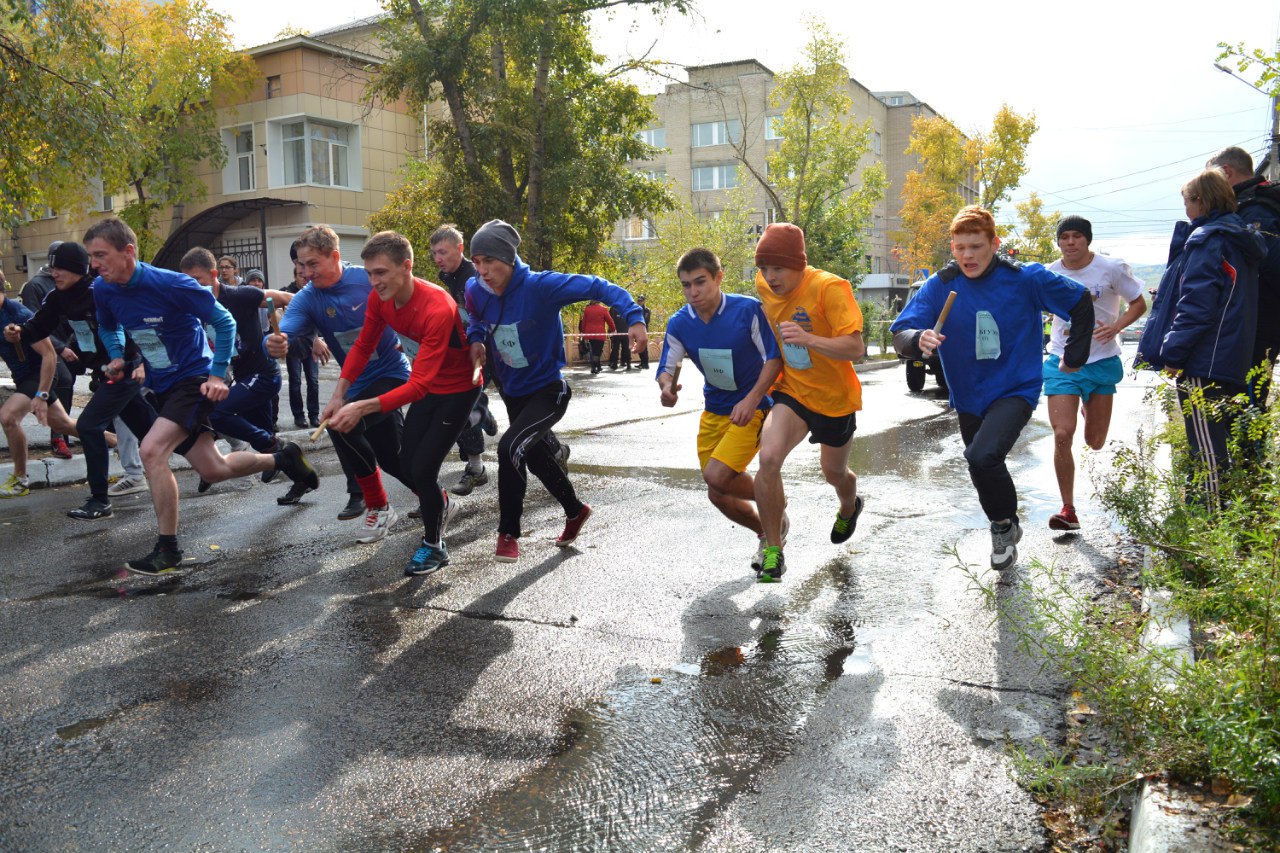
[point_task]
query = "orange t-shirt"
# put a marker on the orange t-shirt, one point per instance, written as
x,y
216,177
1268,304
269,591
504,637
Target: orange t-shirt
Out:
x,y
823,304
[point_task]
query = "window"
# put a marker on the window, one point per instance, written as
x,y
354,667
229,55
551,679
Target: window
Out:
x,y
639,228
102,200
770,215
240,174
768,173
876,142
773,127
715,177
716,133
274,87
657,137
655,174
895,100
305,151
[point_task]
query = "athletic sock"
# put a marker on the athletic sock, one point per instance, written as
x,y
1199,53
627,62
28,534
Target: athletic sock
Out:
x,y
371,488
167,543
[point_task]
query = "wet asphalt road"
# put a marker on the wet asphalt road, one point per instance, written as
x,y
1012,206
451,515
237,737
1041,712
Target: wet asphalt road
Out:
x,y
291,690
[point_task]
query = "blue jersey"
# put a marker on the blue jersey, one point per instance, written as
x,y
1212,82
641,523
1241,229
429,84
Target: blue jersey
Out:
x,y
524,321
730,349
165,313
337,313
245,303
995,331
13,311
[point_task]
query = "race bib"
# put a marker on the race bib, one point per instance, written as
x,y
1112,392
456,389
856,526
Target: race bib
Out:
x,y
347,340
84,336
507,339
797,357
152,348
409,345
717,367
987,339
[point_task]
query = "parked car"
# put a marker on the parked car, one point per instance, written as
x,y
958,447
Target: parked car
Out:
x,y
918,369
1132,333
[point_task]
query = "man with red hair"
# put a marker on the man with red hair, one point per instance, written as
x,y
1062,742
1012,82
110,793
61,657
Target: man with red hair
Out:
x,y
991,354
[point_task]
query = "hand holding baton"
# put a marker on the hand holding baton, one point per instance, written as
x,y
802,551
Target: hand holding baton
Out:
x,y
324,424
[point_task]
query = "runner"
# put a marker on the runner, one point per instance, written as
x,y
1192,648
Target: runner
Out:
x,y
334,304
247,413
1109,282
519,310
37,383
165,313
729,339
118,397
993,364
819,326
440,389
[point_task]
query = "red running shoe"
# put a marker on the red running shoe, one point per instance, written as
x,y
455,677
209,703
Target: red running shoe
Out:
x,y
508,550
1065,520
573,526
60,448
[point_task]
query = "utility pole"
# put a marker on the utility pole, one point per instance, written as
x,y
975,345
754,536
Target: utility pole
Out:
x,y
1273,167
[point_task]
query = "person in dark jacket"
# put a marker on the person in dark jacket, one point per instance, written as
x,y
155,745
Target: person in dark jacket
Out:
x,y
648,315
1258,204
1202,322
619,344
32,296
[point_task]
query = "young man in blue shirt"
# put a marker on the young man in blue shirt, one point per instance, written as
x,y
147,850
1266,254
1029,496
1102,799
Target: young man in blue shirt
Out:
x,y
518,310
165,313
729,339
991,355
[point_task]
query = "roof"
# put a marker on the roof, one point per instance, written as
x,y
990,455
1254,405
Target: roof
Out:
x,y
314,44
360,23
756,63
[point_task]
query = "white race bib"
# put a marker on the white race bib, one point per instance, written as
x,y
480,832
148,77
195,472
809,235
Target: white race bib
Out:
x,y
797,357
987,339
84,336
717,367
507,339
152,347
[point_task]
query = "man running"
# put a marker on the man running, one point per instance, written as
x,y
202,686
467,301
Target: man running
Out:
x,y
819,326
992,362
455,271
37,382
165,313
729,339
519,311
116,399
1110,282
440,390
334,304
32,295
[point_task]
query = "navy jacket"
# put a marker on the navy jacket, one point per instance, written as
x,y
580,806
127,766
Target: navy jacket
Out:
x,y
1264,217
1204,315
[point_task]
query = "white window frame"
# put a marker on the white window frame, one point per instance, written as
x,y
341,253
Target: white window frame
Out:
x,y
877,143
277,156
708,133
773,127
232,182
655,136
721,178
639,228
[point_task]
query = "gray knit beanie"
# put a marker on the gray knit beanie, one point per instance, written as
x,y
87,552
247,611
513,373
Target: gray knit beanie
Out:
x,y
1076,223
496,239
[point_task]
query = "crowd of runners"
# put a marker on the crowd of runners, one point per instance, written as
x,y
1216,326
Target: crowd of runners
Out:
x,y
177,358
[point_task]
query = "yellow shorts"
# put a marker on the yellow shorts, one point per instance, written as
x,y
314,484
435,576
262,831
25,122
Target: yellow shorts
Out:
x,y
735,446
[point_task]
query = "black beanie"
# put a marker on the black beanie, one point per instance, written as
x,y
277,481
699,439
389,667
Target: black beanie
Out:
x,y
1076,223
71,257
496,239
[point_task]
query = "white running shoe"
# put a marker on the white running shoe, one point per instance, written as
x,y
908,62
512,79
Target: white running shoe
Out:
x,y
376,524
127,486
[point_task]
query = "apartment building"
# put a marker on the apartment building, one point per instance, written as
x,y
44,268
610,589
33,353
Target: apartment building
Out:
x,y
724,109
303,149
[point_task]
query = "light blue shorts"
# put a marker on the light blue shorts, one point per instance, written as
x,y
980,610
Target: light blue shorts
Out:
x,y
1097,378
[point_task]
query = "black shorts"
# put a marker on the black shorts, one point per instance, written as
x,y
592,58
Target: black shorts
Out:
x,y
823,429
183,404
30,385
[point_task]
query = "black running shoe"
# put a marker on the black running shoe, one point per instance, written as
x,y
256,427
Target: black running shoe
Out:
x,y
844,527
203,486
354,509
294,495
92,510
159,562
294,465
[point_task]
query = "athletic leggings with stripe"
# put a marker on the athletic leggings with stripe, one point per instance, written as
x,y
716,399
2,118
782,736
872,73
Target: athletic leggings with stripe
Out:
x,y
375,440
1208,431
523,448
430,430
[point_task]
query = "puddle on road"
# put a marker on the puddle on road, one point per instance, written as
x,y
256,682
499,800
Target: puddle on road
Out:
x,y
652,765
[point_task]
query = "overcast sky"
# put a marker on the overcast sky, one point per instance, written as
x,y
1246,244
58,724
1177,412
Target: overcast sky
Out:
x,y
1129,103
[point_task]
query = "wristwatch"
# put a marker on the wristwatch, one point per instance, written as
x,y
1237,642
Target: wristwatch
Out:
x,y
42,395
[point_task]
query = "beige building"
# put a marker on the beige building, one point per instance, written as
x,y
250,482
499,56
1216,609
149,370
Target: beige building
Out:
x,y
723,110
303,149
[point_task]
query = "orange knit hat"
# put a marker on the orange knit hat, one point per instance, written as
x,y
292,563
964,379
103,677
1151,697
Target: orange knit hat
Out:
x,y
782,245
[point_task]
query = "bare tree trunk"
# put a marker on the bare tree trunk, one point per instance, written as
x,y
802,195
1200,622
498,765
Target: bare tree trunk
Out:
x,y
538,237
452,96
506,162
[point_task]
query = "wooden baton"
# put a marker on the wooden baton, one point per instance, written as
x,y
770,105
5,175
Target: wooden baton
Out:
x,y
315,436
946,309
22,354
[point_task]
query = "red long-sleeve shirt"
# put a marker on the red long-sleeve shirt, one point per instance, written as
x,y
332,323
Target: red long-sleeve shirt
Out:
x,y
431,332
595,319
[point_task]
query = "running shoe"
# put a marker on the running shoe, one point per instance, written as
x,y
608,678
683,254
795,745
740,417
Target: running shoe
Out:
x,y
573,526
202,487
60,449
758,560
772,565
468,481
128,486
844,527
92,510
291,461
427,559
295,493
1004,543
159,562
450,510
377,522
15,487
354,508
1065,520
508,550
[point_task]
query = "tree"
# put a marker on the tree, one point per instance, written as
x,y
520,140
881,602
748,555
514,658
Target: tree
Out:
x,y
813,178
535,132
1000,155
1036,235
1255,61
